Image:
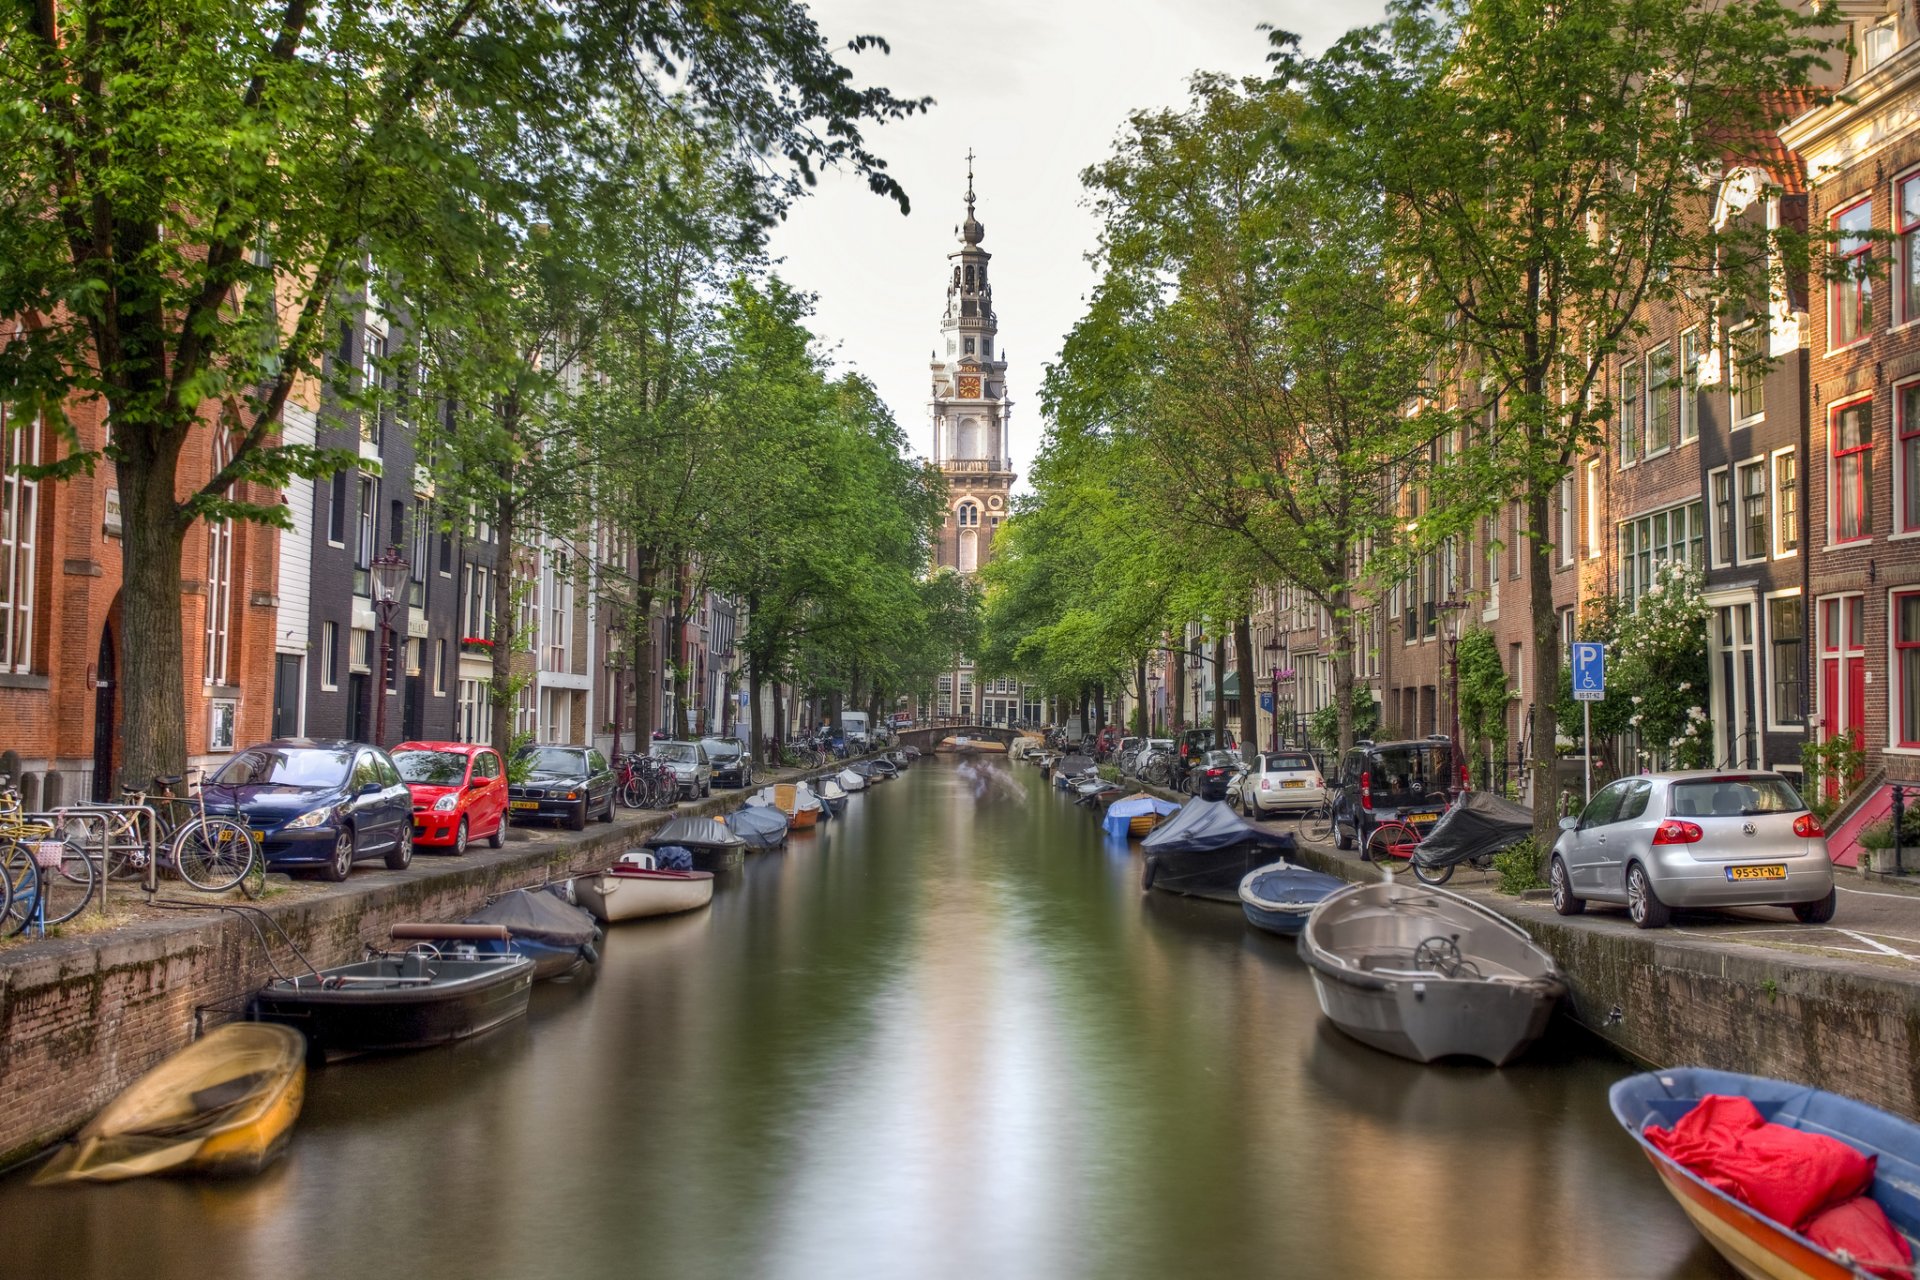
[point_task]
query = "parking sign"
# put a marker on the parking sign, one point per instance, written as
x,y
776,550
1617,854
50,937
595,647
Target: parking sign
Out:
x,y
1589,672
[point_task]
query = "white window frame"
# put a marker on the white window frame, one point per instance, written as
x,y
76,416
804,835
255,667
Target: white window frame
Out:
x,y
1741,467
1689,363
440,668
219,620
1806,650
223,718
1897,528
19,513
1719,554
1894,745
1659,350
1905,308
1595,543
1884,35
1735,400
1566,520
1773,499
329,656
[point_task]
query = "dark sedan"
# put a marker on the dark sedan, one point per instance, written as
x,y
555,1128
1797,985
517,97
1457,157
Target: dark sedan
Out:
x,y
567,784
1213,774
319,803
732,767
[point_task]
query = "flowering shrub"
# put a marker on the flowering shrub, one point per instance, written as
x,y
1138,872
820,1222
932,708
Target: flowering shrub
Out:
x,y
1660,666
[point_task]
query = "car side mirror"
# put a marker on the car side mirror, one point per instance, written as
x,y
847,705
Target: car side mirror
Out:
x,y
370,789
1569,824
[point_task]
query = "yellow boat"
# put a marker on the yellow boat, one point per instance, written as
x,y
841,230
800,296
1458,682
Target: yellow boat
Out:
x,y
798,802
225,1104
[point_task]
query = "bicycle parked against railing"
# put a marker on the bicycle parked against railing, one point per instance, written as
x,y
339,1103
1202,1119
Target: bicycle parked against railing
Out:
x,y
213,852
648,783
45,881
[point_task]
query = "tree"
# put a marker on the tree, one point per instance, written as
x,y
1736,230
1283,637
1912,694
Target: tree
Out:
x,y
173,168
1544,166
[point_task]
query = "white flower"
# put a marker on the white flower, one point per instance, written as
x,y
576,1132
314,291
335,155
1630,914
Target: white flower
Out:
x,y
1636,699
1684,686
1633,719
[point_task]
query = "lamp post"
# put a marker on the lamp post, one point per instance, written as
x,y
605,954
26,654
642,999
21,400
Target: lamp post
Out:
x,y
617,664
1453,613
1280,663
389,572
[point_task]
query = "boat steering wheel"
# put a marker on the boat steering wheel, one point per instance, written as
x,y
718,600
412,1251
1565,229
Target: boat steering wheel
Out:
x,y
1441,955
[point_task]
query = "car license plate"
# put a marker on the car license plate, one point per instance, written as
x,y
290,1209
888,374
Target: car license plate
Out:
x,y
526,804
1291,782
1772,871
1423,819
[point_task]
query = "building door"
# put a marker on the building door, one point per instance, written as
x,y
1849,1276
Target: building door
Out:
x,y
1733,663
1843,671
286,695
105,687
413,708
358,724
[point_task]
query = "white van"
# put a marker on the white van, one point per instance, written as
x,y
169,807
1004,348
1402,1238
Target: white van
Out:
x,y
855,727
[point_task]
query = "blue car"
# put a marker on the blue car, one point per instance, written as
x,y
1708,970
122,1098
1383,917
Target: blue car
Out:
x,y
319,803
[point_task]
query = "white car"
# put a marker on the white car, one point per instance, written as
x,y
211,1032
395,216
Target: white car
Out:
x,y
1281,781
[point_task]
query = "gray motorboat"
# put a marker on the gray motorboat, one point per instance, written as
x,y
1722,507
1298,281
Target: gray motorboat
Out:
x,y
1428,974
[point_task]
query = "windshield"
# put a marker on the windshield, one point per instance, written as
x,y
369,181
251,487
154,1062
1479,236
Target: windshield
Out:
x,y
1288,764
721,749
436,768
1733,797
552,760
677,752
286,767
1217,759
1411,773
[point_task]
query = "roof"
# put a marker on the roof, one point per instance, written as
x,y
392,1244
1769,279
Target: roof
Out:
x,y
462,748
1761,147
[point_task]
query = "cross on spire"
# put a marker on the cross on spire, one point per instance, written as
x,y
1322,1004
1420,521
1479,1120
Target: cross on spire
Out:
x,y
969,180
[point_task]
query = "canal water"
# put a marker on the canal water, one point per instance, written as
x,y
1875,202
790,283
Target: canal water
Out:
x,y
944,1037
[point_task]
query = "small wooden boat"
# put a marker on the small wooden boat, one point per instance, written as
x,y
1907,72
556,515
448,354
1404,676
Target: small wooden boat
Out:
x,y
714,847
899,757
422,996
763,827
1426,974
225,1104
1136,815
795,799
556,935
1206,850
636,887
1757,1246
883,768
852,779
832,794
1280,896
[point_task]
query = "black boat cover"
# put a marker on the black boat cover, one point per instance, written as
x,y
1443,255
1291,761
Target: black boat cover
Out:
x,y
1205,825
539,917
1479,822
695,833
1071,765
762,826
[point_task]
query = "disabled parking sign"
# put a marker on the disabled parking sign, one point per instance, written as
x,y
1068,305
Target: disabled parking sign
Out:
x,y
1589,672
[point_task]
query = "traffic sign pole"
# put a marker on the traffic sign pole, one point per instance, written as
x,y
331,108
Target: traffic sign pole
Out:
x,y
1586,744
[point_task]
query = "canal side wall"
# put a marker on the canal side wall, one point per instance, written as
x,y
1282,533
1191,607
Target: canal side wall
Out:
x,y
83,1017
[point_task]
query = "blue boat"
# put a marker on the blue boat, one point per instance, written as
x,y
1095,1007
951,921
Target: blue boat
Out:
x,y
1280,896
1119,822
762,826
556,935
1757,1245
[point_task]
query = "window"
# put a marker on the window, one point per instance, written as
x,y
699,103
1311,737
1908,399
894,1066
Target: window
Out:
x,y
1747,381
1906,463
1566,520
1659,399
1786,503
373,410
1753,510
1852,484
221,716
337,511
368,534
967,346
439,668
359,650
1850,305
19,521
1629,411
1787,637
1650,540
330,655
446,554
417,561
1720,487
1906,218
219,577
968,515
1690,385
1519,539
1877,44
1906,665
1593,509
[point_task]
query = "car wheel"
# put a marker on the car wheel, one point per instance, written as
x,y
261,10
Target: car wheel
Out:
x,y
499,836
1341,840
1819,911
1562,884
607,815
400,857
1644,907
706,789
341,864
460,837
578,822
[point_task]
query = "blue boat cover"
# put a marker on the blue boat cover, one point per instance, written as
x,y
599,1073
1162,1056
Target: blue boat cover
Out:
x,y
1204,826
1122,812
1284,885
762,826
539,917
673,857
694,833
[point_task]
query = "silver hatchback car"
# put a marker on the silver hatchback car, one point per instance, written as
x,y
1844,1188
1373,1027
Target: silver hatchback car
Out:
x,y
1701,838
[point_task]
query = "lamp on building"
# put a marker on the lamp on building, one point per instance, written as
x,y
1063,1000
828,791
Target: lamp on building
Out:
x,y
1453,614
389,572
617,664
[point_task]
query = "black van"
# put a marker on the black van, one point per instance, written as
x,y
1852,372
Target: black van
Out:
x,y
1389,781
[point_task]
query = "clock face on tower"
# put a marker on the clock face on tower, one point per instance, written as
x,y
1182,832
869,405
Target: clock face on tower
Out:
x,y
969,386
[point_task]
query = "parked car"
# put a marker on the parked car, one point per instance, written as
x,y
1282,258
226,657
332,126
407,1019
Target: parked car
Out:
x,y
1390,781
569,783
1281,782
690,766
459,793
1213,775
731,765
323,803
1193,744
1698,838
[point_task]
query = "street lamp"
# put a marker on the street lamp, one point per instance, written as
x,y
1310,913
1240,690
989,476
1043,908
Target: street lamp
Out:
x,y
1453,614
1279,647
389,571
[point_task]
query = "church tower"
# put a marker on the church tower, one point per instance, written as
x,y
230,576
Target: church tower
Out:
x,y
970,405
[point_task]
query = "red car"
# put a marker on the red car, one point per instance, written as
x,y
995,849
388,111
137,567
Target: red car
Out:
x,y
459,793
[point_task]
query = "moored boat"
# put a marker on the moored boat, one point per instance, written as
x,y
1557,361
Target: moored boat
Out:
x,y
794,799
850,781
883,768
1205,850
225,1104
636,887
832,794
408,1000
763,827
1136,815
1280,896
712,845
1425,974
1758,1246
556,935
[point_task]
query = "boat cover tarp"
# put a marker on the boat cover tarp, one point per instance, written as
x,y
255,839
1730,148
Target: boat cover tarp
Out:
x,y
1206,825
1070,765
1479,822
695,833
672,858
1122,812
1283,885
1788,1174
762,827
830,789
850,781
538,917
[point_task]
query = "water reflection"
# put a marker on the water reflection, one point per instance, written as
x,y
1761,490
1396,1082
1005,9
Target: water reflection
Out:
x,y
944,1036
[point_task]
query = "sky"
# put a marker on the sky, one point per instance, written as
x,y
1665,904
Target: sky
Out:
x,y
1039,91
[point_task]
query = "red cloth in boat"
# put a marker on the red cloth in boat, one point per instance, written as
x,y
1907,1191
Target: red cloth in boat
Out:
x,y
1859,1228
1786,1174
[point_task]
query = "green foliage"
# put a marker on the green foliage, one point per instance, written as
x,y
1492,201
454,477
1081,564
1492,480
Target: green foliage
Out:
x,y
1519,867
1831,770
1660,668
1880,834
1484,694
1324,724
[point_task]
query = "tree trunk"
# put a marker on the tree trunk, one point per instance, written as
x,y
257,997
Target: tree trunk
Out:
x,y
1342,671
645,678
152,649
677,642
1100,705
1546,672
1219,691
1086,730
779,726
756,741
502,694
1140,683
1249,686
1177,679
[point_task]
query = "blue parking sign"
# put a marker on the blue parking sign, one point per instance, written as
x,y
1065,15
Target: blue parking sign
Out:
x,y
1266,702
1589,672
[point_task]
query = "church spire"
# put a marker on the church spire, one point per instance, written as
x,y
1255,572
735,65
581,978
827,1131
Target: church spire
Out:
x,y
972,231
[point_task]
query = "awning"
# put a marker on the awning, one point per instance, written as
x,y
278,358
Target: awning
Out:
x,y
1230,687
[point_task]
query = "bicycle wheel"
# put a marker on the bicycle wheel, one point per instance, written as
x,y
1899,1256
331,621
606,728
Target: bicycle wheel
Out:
x,y
23,887
1316,825
632,794
65,890
213,854
1391,840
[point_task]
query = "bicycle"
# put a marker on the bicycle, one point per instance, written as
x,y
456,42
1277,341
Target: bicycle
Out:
x,y
1391,840
1316,824
45,881
212,852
